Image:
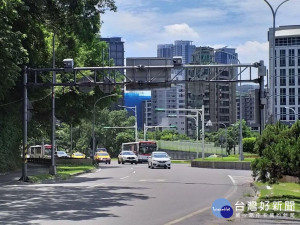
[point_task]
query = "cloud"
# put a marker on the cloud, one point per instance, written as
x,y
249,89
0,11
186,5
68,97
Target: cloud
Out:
x,y
180,31
253,51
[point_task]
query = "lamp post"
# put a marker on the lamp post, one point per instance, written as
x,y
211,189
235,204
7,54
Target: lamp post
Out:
x,y
94,117
241,157
135,115
272,62
197,111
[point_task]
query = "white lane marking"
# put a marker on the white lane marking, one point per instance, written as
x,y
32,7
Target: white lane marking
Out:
x,y
187,216
232,180
203,209
124,177
240,180
134,171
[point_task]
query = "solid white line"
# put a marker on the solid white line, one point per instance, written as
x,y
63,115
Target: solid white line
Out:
x,y
124,177
232,180
187,216
204,209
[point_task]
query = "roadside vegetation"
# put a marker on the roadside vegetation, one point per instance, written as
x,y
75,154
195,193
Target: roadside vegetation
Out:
x,y
279,151
282,193
231,158
27,29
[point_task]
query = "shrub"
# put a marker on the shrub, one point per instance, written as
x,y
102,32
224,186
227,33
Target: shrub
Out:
x,y
248,144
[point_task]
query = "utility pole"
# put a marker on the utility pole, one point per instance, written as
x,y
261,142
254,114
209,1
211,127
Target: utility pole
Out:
x,y
52,169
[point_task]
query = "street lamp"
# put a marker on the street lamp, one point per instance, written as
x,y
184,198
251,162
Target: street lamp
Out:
x,y
195,117
241,158
94,117
135,115
272,61
292,110
197,111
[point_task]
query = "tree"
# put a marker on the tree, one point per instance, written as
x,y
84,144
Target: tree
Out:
x,y
26,31
279,150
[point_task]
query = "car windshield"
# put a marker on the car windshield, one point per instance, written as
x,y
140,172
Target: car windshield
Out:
x,y
162,155
102,154
128,153
78,154
61,153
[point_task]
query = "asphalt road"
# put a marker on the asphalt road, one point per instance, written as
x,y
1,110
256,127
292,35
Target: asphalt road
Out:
x,y
123,194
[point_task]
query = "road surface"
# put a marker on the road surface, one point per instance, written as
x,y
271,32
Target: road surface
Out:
x,y
123,194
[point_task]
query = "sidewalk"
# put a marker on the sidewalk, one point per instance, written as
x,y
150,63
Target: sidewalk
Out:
x,y
13,177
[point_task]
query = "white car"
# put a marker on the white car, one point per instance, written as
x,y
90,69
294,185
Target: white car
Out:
x,y
159,159
127,156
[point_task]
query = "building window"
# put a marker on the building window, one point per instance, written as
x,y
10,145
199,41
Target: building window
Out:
x,y
292,96
275,96
299,76
298,57
282,58
291,57
298,96
275,77
282,77
275,59
291,76
282,113
282,96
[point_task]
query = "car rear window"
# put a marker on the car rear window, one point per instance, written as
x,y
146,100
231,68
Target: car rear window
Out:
x,y
102,154
128,153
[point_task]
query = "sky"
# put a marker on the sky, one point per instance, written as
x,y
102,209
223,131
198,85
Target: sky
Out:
x,y
240,24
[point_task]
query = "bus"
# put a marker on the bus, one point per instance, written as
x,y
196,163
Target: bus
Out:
x,y
39,151
142,149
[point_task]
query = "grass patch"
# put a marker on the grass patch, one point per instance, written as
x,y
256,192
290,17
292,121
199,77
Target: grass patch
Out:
x,y
63,172
181,161
234,158
280,192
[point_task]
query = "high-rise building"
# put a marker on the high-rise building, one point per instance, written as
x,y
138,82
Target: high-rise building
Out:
x,y
136,98
116,53
286,85
115,50
250,105
174,97
218,98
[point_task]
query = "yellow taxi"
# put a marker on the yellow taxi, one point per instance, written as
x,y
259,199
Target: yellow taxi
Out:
x,y
102,157
78,155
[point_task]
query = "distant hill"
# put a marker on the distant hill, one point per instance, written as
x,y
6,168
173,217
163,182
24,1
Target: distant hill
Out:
x,y
245,88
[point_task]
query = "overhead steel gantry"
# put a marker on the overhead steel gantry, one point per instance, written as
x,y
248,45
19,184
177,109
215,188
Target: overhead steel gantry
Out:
x,y
107,77
102,76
